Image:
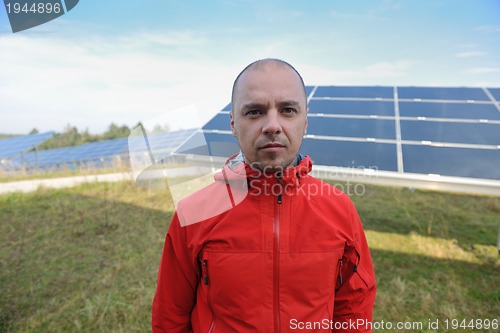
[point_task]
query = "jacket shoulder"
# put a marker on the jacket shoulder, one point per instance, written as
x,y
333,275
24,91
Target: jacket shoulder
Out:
x,y
208,202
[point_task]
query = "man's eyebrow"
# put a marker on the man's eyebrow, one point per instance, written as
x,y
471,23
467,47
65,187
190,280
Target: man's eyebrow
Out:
x,y
261,105
253,106
289,103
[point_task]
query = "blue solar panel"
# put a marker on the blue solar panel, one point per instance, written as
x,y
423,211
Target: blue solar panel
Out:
x,y
210,144
449,110
219,122
370,155
323,152
360,128
13,146
459,162
347,116
496,93
354,92
84,152
460,94
434,131
162,144
351,107
309,89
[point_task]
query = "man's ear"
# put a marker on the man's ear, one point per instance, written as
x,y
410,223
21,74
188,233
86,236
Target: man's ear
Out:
x,y
231,116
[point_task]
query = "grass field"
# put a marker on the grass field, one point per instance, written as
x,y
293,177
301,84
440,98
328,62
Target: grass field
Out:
x,y
85,259
18,175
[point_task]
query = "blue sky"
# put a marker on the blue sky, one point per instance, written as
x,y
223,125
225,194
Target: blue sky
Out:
x,y
127,61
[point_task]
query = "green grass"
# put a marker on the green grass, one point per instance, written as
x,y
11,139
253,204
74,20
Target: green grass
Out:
x,y
434,253
85,259
20,175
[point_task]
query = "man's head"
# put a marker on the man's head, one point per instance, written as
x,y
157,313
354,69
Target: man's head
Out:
x,y
269,114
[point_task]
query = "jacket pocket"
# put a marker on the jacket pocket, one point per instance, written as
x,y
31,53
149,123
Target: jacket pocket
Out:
x,y
348,265
308,287
234,292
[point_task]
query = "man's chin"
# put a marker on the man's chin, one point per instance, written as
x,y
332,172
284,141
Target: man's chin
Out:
x,y
270,167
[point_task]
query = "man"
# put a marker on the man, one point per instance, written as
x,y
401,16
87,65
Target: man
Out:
x,y
291,256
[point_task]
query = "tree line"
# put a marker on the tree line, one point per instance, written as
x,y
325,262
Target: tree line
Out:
x,y
70,136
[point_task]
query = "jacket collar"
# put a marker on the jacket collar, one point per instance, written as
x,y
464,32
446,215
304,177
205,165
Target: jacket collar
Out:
x,y
236,170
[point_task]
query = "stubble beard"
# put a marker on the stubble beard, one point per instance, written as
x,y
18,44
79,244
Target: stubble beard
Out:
x,y
270,165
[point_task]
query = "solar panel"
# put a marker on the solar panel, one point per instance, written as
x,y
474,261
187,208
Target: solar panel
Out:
x,y
343,107
354,92
219,122
210,144
352,127
13,146
453,132
66,155
449,110
458,162
495,92
163,145
309,89
351,154
438,93
450,131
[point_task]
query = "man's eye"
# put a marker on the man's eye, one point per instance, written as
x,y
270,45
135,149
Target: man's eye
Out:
x,y
252,113
289,110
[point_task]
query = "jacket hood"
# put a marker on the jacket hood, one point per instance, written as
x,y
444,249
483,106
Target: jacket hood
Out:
x,y
237,170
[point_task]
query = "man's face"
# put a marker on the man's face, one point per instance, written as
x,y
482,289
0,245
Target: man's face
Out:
x,y
269,116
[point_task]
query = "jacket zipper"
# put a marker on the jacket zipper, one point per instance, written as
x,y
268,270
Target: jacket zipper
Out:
x,y
206,281
276,263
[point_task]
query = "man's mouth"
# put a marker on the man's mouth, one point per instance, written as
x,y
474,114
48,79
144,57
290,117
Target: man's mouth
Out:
x,y
272,147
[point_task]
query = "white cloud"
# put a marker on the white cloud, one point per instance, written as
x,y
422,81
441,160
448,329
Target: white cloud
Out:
x,y
489,28
484,70
384,72
50,82
470,54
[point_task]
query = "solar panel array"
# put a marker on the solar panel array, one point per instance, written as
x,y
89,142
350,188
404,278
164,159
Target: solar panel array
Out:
x,y
14,146
99,154
422,130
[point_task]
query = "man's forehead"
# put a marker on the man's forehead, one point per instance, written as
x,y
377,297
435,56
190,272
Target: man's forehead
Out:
x,y
262,80
269,70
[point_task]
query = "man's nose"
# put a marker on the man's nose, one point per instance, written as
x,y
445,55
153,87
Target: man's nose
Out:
x,y
272,123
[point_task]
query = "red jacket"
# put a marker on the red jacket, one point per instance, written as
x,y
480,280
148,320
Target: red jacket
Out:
x,y
290,257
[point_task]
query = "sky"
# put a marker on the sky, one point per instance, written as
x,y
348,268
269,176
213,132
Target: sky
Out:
x,y
130,61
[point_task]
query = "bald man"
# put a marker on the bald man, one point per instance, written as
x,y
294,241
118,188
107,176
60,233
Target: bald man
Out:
x,y
291,255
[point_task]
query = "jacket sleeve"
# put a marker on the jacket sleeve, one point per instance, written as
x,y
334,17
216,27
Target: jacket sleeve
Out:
x,y
356,286
176,286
